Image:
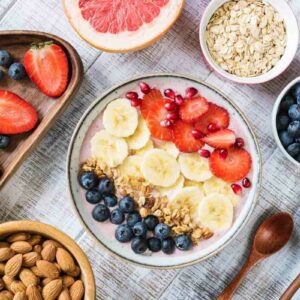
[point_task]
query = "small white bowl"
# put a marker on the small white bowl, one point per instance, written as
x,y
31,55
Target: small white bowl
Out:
x,y
274,117
290,52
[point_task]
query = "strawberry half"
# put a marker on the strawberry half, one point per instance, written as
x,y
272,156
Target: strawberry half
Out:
x,y
215,115
47,66
16,115
183,137
192,109
148,100
221,139
234,167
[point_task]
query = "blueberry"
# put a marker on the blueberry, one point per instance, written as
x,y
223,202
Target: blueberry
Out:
x,y
127,204
1,74
285,138
296,91
162,231
93,196
117,216
168,245
133,218
294,129
4,141
123,233
154,244
101,213
287,102
5,58
183,242
16,71
111,200
88,180
294,112
106,187
293,149
282,122
298,158
139,229
151,222
139,245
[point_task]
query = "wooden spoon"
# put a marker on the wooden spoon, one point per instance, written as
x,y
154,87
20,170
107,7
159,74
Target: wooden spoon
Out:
x,y
270,237
292,289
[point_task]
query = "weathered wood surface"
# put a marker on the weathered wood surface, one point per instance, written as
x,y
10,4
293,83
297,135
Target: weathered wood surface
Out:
x,y
38,190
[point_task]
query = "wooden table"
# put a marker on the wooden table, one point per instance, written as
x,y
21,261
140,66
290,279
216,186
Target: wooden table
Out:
x,y
38,190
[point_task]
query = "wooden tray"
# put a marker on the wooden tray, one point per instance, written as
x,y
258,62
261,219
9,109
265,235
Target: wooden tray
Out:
x,y
17,43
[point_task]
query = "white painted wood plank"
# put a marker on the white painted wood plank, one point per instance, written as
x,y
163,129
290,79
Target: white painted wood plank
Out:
x,y
4,6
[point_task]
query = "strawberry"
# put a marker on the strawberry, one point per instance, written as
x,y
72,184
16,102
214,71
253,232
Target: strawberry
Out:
x,y
215,115
150,98
184,139
192,109
47,66
221,139
234,167
16,115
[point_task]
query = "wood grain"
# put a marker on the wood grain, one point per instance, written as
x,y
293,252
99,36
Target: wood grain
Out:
x,y
292,289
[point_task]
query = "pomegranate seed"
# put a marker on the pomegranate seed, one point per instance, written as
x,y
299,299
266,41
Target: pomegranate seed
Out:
x,y
212,127
246,183
166,123
172,116
223,153
169,93
197,134
179,100
237,189
132,95
170,106
191,92
204,153
136,102
239,143
145,88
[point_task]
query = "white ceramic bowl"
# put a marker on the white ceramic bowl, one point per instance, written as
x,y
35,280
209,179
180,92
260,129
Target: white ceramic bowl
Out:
x,y
292,42
274,117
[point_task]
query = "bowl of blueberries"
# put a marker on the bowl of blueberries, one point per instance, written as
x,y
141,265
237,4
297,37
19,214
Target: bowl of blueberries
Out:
x,y
286,121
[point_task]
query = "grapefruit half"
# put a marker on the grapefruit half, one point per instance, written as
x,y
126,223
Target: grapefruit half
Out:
x,y
122,25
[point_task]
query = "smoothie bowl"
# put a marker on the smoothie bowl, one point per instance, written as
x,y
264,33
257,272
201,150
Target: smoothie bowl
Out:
x,y
164,170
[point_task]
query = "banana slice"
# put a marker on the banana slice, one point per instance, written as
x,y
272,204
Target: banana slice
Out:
x,y
140,137
160,168
173,189
188,183
145,149
110,149
120,118
131,166
216,212
194,167
214,185
229,192
170,148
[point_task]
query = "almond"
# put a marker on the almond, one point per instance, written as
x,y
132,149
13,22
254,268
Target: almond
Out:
x,y
30,259
7,281
38,248
74,273
33,293
21,247
64,295
49,253
2,285
58,267
52,289
13,265
19,236
54,243
6,254
20,296
77,290
65,260
28,277
6,295
17,286
47,269
45,281
67,281
34,240
36,271
2,267
4,245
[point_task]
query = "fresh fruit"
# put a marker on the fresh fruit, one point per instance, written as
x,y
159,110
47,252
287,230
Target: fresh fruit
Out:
x,y
117,216
154,244
287,102
173,116
237,189
122,26
183,137
282,122
234,167
216,212
193,109
120,119
144,87
169,147
194,167
197,134
127,204
101,213
204,153
151,222
47,66
246,183
183,242
223,153
106,186
214,185
285,138
5,58
123,233
133,218
168,245
215,115
139,229
145,149
170,106
191,92
139,245
110,200
160,168
293,149
4,141
221,139
162,231
106,147
132,95
93,196
169,93
179,100
16,71
131,166
294,129
136,102
173,189
140,137
16,115
88,180
239,143
166,124
294,112
1,74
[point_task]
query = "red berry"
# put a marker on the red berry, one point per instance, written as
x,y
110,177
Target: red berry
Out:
x,y
179,100
136,102
246,183
169,93
172,116
197,134
166,123
237,189
222,139
132,95
239,143
191,92
223,153
170,106
145,88
212,127
204,153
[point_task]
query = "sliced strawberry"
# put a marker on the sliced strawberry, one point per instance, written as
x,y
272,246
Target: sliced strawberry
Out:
x,y
221,139
148,100
47,66
192,109
215,115
16,115
184,139
234,167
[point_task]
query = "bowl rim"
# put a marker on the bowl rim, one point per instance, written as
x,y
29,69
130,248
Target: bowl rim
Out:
x,y
51,232
145,77
274,118
234,78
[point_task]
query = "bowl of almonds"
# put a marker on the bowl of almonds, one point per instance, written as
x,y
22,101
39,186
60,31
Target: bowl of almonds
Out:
x,y
37,261
249,41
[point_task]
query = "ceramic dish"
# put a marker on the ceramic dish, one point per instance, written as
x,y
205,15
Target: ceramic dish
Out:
x,y
104,233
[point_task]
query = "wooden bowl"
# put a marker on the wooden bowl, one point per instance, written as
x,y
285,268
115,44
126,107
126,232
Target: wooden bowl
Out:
x,y
87,275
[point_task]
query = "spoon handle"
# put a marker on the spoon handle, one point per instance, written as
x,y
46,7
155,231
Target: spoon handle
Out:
x,y
292,289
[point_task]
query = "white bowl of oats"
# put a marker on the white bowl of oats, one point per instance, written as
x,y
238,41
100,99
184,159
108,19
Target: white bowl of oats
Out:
x,y
249,41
